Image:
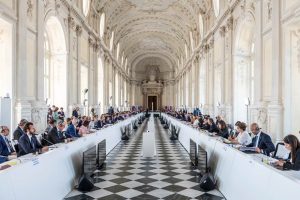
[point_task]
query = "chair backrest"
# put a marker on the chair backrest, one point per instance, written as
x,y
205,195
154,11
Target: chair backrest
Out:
x,y
281,151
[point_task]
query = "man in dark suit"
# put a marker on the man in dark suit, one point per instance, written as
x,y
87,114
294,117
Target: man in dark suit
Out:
x,y
28,142
261,141
19,130
54,136
6,147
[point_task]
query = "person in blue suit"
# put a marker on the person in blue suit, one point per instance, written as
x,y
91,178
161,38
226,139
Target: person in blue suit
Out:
x,y
71,130
6,147
3,159
28,143
261,141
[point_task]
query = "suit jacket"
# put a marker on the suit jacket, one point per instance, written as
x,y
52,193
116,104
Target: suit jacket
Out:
x,y
295,165
265,143
3,159
18,133
26,147
213,128
4,151
54,137
224,133
75,113
71,131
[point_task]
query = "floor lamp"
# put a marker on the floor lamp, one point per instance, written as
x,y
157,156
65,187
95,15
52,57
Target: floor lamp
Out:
x,y
247,104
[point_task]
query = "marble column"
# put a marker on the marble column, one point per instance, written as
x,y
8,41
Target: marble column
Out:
x,y
275,108
23,106
39,107
228,71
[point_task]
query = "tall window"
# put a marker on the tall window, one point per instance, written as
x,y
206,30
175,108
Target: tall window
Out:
x,y
201,26
191,40
55,62
111,42
102,24
186,51
6,49
100,82
216,7
84,83
118,51
252,72
47,58
202,82
117,89
85,7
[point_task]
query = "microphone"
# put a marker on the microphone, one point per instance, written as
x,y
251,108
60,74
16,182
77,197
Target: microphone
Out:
x,y
54,145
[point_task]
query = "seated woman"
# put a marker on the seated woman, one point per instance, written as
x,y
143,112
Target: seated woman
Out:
x,y
292,144
83,130
223,129
243,136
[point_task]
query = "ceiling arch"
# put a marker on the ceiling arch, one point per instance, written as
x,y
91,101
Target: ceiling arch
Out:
x,y
152,31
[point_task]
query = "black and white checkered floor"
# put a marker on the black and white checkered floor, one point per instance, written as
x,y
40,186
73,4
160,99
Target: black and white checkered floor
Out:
x,y
127,175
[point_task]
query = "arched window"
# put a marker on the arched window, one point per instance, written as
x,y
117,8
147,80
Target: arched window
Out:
x,y
84,75
186,51
191,40
117,89
244,68
55,63
216,4
47,58
186,89
6,69
202,82
100,83
102,24
85,7
201,26
111,42
118,51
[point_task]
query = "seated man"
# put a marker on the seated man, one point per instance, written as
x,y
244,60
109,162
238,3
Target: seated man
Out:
x,y
19,130
55,134
71,130
6,148
261,141
28,142
212,126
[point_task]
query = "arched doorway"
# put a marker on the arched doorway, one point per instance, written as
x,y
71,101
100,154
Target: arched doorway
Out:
x,y
55,63
243,69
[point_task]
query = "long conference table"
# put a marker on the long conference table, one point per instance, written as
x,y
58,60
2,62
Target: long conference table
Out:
x,y
240,176
52,175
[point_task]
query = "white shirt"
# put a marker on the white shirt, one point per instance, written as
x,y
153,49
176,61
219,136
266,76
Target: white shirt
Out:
x,y
244,138
30,136
196,122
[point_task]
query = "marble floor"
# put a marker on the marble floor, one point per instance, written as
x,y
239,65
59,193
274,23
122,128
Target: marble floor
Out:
x,y
127,175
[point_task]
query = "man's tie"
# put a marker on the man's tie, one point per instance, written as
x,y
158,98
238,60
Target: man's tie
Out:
x,y
32,144
255,141
10,148
59,134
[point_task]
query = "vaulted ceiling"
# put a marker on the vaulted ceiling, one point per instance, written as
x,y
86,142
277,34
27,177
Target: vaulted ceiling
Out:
x,y
152,31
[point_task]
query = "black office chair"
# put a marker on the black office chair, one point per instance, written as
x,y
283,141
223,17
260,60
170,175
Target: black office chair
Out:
x,y
276,149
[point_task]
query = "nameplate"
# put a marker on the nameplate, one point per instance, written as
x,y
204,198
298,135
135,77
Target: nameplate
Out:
x,y
35,161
